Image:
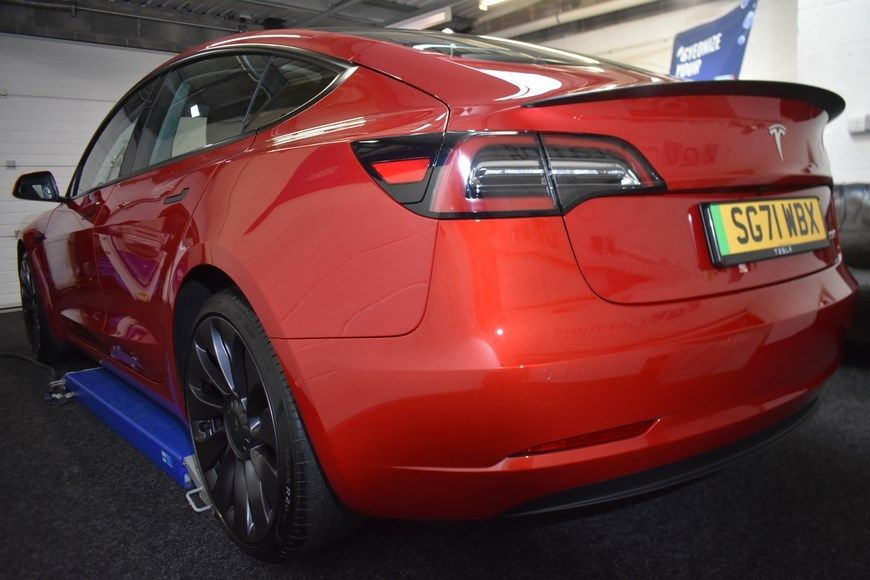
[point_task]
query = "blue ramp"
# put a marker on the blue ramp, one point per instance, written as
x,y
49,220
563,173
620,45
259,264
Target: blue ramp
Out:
x,y
153,430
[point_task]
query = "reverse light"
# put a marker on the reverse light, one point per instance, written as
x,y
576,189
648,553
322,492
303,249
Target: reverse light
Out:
x,y
585,167
486,175
503,174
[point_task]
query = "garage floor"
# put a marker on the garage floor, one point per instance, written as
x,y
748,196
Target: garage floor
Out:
x,y
76,500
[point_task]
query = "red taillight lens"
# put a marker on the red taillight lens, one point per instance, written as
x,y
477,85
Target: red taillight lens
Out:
x,y
403,170
477,175
402,166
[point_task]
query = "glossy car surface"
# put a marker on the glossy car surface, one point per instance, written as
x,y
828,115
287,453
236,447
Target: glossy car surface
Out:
x,y
455,363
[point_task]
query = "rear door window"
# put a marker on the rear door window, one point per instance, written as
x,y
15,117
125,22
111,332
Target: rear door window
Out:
x,y
199,104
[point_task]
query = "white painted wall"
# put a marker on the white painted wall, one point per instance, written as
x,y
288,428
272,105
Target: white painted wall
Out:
x,y
648,42
833,51
57,93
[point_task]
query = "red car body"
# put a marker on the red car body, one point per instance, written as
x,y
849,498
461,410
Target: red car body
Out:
x,y
462,368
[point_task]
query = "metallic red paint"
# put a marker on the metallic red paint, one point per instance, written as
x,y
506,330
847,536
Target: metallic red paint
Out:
x,y
425,354
515,350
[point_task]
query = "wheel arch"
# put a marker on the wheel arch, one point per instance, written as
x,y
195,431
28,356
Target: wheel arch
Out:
x,y
198,285
201,272
40,281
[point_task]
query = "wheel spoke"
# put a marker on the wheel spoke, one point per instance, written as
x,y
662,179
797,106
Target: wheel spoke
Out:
x,y
220,350
24,276
211,371
263,429
264,466
252,376
243,519
256,403
222,491
238,352
258,506
29,305
200,404
210,448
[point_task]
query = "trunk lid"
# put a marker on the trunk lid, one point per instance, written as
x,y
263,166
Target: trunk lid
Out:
x,y
708,148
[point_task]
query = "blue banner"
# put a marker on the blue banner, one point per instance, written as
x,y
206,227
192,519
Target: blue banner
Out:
x,y
714,50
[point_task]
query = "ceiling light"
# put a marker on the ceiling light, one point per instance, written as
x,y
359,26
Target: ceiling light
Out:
x,y
424,21
485,4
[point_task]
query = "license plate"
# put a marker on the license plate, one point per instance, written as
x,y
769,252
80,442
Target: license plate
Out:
x,y
746,231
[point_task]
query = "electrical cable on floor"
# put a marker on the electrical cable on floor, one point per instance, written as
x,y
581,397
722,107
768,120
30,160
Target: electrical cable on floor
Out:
x,y
31,360
57,393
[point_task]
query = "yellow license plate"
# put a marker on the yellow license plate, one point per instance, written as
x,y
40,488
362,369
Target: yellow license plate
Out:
x,y
745,231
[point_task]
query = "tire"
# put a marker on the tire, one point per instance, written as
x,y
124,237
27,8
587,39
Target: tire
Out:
x,y
43,344
261,475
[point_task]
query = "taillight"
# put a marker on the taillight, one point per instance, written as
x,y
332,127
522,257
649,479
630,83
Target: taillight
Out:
x,y
585,167
491,175
402,166
403,170
503,174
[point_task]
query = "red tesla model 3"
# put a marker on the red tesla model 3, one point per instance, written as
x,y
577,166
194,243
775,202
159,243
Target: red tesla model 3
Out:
x,y
420,275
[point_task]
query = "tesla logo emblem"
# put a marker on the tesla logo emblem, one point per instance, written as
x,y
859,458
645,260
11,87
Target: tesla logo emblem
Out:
x,y
778,131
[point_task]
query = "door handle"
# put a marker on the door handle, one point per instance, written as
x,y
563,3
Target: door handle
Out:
x,y
177,197
90,210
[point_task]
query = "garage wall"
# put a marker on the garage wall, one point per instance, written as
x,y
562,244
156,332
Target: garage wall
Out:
x,y
53,94
648,42
833,51
645,42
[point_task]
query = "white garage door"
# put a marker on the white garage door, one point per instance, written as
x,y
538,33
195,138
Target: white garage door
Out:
x,y
53,94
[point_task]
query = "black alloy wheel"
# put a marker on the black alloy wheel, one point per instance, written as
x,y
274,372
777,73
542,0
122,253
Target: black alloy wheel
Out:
x,y
29,305
233,427
43,344
260,472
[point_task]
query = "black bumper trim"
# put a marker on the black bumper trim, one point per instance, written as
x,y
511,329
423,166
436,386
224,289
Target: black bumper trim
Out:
x,y
666,476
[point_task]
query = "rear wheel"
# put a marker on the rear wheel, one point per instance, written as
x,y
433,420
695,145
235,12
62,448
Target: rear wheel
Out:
x,y
43,344
260,472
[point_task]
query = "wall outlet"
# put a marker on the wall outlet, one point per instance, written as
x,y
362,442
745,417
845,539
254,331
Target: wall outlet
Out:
x,y
858,125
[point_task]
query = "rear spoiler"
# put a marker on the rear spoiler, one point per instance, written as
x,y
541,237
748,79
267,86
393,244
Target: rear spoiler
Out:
x,y
831,102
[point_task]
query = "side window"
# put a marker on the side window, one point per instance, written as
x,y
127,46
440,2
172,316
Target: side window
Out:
x,y
104,160
287,85
199,104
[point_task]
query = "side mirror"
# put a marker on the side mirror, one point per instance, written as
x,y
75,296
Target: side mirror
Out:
x,y
37,186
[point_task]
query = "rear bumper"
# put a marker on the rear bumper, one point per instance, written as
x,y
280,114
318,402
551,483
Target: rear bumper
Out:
x,y
666,475
515,351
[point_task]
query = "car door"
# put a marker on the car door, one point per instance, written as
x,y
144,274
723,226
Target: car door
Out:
x,y
72,269
195,125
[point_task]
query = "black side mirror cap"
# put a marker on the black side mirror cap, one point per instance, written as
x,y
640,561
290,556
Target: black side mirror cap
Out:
x,y
37,186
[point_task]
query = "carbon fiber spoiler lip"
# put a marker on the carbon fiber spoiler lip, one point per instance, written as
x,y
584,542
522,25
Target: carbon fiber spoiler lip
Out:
x,y
827,100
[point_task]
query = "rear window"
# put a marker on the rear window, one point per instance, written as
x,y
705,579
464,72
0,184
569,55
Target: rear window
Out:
x,y
479,47
288,84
